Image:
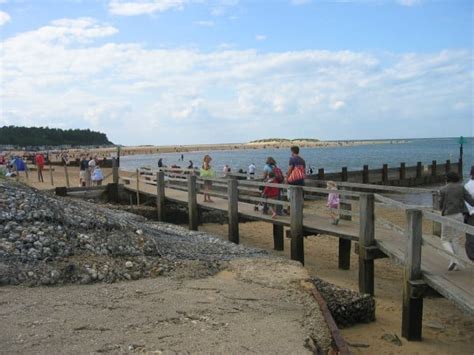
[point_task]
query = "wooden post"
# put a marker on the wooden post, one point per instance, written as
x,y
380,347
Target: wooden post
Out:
x,y
419,170
67,175
233,209
366,240
115,171
436,207
365,174
345,245
321,174
278,243
385,174
160,195
403,171
412,312
460,164
448,166
433,168
344,262
344,174
138,187
296,223
51,174
192,203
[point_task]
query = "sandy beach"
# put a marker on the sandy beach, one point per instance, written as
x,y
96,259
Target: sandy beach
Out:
x,y
107,152
446,330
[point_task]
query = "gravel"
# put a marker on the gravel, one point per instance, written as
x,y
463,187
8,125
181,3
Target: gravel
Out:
x,y
48,240
346,306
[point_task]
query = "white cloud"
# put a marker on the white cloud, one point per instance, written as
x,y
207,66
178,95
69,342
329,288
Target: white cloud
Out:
x,y
300,2
4,18
409,2
260,37
59,75
204,23
336,105
141,7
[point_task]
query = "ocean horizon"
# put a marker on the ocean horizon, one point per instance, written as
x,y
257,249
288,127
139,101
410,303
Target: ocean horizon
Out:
x,y
332,158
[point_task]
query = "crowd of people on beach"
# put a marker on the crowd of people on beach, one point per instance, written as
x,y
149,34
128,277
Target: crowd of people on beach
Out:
x,y
456,199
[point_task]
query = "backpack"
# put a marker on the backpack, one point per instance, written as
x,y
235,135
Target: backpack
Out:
x,y
278,174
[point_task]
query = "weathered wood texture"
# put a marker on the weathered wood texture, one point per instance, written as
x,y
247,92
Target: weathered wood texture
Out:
x,y
296,216
278,241
366,240
160,195
192,203
233,210
412,310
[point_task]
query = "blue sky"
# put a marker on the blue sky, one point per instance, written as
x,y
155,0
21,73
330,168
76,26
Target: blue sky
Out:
x,y
212,71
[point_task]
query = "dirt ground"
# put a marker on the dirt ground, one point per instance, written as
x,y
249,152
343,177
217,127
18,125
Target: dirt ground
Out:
x,y
446,329
254,306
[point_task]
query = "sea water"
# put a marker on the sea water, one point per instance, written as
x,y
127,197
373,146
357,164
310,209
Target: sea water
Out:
x,y
332,159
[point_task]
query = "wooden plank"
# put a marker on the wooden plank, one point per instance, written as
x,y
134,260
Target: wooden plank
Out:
x,y
67,176
457,287
373,187
403,171
138,187
51,174
278,241
115,171
160,195
385,174
412,310
344,254
365,174
344,174
461,227
366,239
233,210
192,203
436,207
433,168
296,217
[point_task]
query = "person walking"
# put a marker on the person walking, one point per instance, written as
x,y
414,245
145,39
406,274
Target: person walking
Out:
x,y
207,172
83,171
296,169
452,198
469,216
251,171
333,202
39,160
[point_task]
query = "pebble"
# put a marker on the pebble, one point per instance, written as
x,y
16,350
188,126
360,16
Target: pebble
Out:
x,y
46,240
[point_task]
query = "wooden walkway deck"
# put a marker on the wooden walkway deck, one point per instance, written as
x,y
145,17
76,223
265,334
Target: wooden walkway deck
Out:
x,y
456,286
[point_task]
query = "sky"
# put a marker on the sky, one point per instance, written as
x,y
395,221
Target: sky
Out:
x,y
168,72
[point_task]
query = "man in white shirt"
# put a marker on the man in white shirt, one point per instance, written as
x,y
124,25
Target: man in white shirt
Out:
x,y
251,171
470,217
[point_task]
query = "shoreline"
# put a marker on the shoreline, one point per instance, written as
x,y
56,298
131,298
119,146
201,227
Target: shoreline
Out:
x,y
107,152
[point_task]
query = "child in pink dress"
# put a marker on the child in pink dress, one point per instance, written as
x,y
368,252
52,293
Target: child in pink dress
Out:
x,y
333,202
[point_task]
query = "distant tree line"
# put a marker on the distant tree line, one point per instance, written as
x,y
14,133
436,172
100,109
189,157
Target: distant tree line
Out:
x,y
44,136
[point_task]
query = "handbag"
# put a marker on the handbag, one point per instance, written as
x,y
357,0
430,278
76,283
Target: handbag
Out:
x,y
297,174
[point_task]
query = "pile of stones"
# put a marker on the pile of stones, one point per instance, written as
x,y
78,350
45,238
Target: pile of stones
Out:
x,y
47,240
347,307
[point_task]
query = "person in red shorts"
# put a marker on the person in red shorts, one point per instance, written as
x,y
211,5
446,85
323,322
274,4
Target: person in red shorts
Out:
x,y
272,192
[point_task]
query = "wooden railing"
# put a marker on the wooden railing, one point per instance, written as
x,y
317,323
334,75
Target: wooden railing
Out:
x,y
369,248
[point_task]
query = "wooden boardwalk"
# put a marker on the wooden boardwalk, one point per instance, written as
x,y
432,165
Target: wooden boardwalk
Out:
x,y
456,286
